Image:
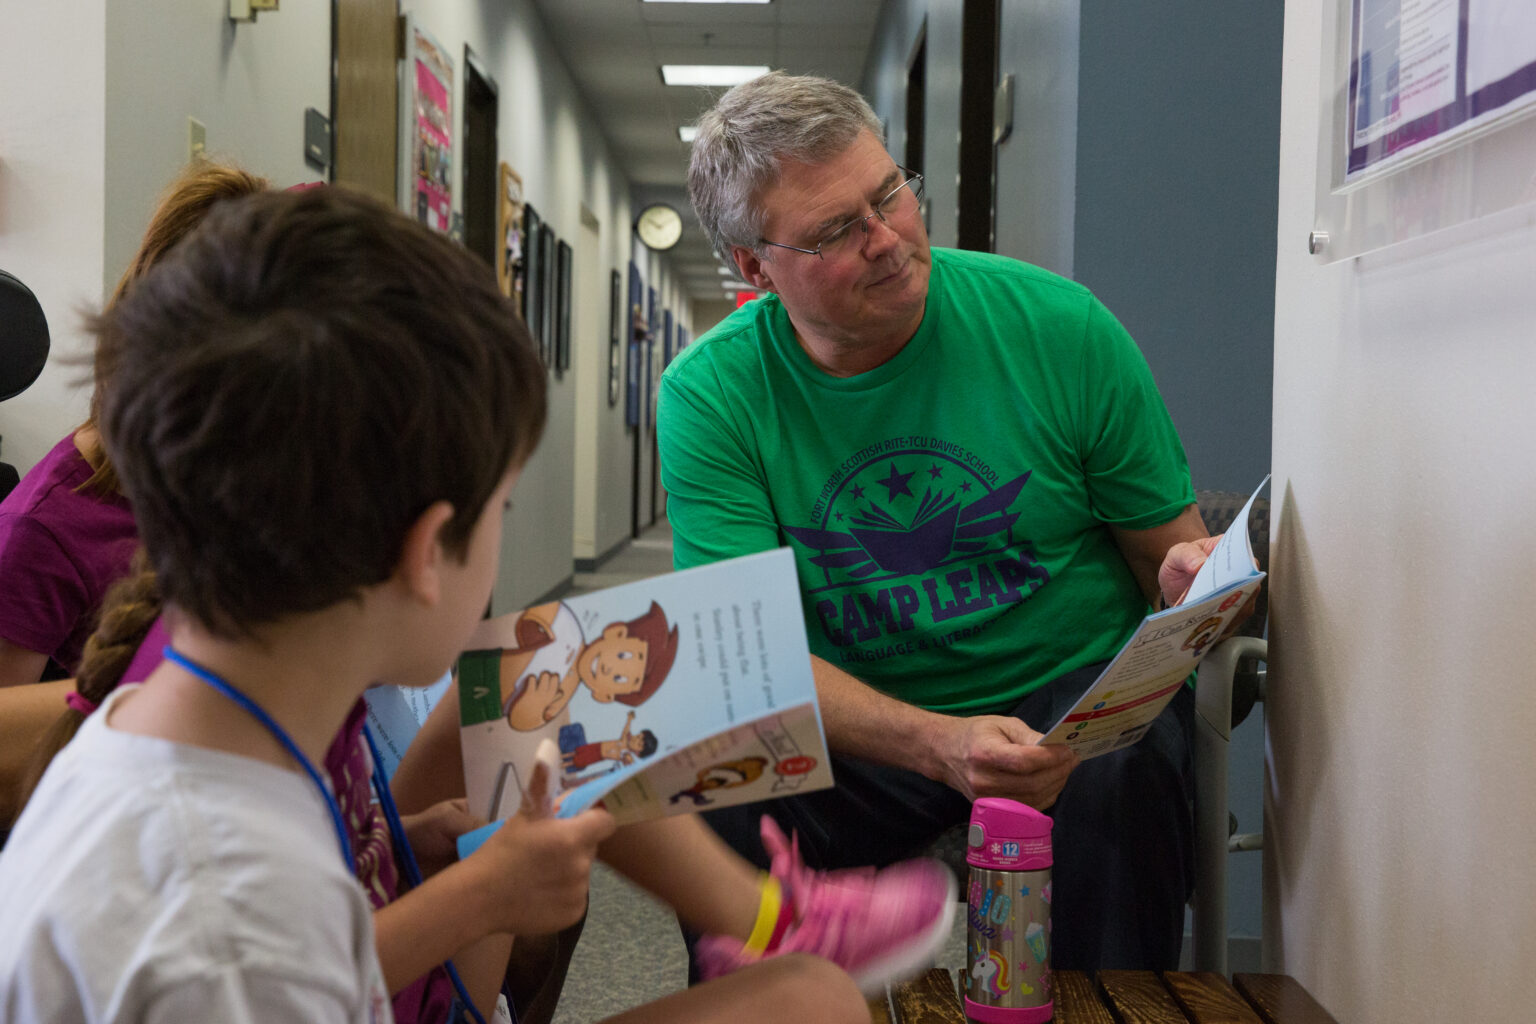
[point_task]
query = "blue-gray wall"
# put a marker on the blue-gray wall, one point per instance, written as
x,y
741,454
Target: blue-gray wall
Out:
x,y
1178,156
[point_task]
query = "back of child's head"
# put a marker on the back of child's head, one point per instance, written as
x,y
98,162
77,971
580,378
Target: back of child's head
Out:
x,y
293,386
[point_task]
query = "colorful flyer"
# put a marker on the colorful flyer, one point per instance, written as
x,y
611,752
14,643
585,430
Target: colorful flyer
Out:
x,y
675,694
1119,708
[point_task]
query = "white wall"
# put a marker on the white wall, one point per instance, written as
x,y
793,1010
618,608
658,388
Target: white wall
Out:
x,y
589,299
248,82
86,153
52,162
1400,808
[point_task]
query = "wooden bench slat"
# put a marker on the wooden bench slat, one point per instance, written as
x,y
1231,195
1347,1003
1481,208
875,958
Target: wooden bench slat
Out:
x,y
1139,997
1077,999
930,998
1208,998
1281,999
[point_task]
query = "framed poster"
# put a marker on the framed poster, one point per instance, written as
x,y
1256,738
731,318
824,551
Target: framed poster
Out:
x,y
426,102
1422,73
533,273
549,322
1428,120
636,340
563,310
615,333
652,328
509,228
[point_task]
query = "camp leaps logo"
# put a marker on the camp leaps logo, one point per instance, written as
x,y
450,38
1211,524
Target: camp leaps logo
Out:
x,y
909,534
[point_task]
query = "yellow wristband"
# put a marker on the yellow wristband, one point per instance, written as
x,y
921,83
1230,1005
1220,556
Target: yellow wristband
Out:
x,y
768,910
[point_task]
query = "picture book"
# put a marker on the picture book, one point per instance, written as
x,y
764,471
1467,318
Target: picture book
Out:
x,y
680,693
1118,709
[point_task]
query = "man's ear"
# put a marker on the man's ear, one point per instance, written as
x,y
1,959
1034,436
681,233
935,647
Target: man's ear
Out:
x,y
423,556
754,270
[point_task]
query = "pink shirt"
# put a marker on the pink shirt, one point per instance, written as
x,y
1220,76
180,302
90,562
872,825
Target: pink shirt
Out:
x,y
59,551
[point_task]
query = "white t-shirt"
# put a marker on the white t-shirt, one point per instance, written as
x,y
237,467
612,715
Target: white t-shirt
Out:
x,y
155,881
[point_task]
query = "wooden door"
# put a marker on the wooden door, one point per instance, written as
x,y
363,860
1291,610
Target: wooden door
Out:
x,y
366,115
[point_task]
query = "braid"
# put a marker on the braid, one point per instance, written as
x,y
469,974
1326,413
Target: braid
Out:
x,y
128,611
131,606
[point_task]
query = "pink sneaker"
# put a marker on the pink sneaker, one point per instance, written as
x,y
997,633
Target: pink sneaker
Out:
x,y
879,926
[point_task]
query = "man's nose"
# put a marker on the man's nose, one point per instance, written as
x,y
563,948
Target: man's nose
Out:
x,y
879,236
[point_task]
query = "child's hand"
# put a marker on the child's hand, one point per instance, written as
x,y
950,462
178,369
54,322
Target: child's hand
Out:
x,y
536,868
433,833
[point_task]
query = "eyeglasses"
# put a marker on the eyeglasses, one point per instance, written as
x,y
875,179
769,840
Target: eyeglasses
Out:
x,y
898,204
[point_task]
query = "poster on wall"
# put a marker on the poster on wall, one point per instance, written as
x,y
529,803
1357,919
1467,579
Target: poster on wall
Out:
x,y
427,106
1426,72
511,269
533,272
637,332
563,306
549,321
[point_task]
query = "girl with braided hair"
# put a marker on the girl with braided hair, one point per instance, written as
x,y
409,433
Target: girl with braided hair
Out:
x,y
66,531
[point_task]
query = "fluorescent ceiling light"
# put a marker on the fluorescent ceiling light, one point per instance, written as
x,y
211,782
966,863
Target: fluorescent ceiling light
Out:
x,y
687,132
704,1
724,272
711,74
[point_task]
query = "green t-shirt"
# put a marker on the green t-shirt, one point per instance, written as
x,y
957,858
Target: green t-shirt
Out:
x,y
949,509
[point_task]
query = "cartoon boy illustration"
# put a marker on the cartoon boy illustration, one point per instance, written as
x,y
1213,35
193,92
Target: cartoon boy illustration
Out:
x,y
728,775
540,675
576,753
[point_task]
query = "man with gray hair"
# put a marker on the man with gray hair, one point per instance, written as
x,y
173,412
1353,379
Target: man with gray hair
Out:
x,y
983,491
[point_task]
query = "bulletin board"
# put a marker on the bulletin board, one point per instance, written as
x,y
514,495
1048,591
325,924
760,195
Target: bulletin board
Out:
x,y
1428,119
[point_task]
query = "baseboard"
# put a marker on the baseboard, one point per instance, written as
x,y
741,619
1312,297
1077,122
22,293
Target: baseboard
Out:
x,y
594,564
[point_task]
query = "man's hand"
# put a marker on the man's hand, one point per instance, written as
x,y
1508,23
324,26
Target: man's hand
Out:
x,y
1178,572
1180,566
996,755
535,869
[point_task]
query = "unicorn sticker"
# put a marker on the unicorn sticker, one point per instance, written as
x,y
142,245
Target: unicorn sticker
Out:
x,y
991,974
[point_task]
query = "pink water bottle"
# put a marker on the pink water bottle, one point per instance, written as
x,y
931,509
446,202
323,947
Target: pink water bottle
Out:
x,y
1008,947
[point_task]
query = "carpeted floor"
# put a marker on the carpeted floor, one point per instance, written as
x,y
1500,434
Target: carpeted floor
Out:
x,y
630,950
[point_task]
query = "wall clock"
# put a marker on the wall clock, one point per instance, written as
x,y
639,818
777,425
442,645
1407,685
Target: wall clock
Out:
x,y
659,226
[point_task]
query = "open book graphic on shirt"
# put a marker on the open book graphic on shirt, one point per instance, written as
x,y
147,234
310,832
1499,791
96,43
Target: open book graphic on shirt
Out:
x,y
1118,709
673,694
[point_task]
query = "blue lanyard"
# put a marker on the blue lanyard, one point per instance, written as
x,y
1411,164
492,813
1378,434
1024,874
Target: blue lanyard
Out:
x,y
391,815
278,733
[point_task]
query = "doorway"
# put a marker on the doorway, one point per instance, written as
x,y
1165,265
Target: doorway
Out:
x,y
976,224
479,159
917,104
